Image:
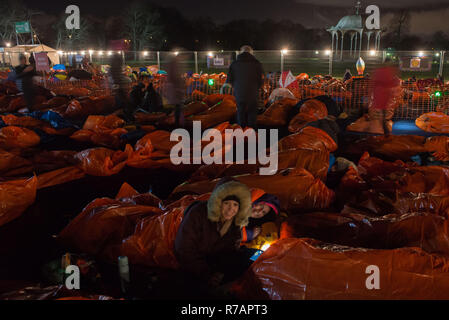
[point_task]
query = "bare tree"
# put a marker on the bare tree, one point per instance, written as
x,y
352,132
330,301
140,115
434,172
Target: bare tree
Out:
x,y
72,38
439,41
401,24
10,12
141,26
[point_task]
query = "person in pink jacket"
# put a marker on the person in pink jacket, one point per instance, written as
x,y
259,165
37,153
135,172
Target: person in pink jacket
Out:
x,y
385,79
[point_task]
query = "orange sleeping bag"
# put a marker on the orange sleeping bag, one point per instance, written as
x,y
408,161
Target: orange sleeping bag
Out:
x,y
15,197
436,122
296,189
299,269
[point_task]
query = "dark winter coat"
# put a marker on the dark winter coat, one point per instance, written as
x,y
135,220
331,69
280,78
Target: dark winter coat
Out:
x,y
18,71
245,74
198,242
79,74
152,100
329,126
136,96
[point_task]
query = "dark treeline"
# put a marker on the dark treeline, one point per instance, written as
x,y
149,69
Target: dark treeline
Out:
x,y
154,28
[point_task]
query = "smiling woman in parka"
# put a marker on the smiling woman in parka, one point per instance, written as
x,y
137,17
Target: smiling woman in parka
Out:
x,y
210,232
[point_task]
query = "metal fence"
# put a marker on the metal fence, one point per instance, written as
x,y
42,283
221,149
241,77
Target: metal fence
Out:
x,y
97,87
352,96
414,98
312,62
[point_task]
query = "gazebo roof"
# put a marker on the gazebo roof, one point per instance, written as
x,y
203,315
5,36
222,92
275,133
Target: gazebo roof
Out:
x,y
353,22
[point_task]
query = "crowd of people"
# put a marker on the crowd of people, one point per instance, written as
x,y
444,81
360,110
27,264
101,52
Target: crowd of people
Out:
x,y
222,231
245,76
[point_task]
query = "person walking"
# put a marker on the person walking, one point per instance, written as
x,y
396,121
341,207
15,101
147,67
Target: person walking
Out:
x,y
26,76
19,69
385,79
176,89
246,77
120,86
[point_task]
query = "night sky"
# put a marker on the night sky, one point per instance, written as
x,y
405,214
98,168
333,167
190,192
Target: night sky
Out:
x,y
427,16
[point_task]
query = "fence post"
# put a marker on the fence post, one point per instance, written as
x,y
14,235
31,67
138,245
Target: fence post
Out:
x,y
331,58
196,61
158,60
384,56
282,62
440,72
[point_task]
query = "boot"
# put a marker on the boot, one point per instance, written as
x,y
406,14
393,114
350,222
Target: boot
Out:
x,y
388,123
376,121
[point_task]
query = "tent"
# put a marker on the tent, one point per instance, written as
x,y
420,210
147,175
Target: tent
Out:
x,y
11,55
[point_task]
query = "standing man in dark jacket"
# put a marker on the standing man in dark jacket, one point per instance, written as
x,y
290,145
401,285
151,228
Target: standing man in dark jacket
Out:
x,y
245,74
120,86
19,69
175,88
26,76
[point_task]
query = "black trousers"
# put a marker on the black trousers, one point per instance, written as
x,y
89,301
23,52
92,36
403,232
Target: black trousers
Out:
x,y
28,95
247,113
179,117
384,122
122,102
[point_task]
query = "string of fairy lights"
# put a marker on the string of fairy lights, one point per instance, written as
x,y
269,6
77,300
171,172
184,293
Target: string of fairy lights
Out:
x,y
210,54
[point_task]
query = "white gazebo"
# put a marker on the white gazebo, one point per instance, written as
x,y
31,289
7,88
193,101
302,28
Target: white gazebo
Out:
x,y
354,26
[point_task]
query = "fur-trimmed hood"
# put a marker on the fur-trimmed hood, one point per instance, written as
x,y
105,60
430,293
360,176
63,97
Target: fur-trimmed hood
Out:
x,y
220,192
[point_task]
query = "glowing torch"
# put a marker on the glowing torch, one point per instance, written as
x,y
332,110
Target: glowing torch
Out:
x,y
360,66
